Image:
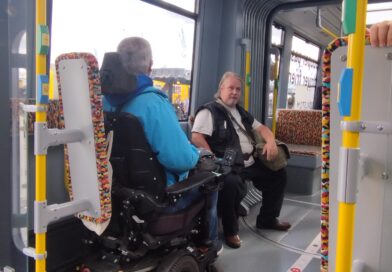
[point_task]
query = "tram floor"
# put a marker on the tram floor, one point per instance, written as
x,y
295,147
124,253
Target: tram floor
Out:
x,y
272,251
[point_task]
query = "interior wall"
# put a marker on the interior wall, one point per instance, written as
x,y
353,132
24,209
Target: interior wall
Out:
x,y
217,47
5,167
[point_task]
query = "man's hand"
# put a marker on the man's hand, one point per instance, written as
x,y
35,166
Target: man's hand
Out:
x,y
381,34
203,152
270,150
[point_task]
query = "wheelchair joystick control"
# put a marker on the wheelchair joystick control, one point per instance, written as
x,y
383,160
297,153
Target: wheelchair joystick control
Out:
x,y
229,157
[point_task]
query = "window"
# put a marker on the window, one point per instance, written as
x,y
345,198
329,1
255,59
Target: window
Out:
x,y
378,12
109,21
302,74
277,36
304,48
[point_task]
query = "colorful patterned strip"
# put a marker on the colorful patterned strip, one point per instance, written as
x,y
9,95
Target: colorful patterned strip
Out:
x,y
99,135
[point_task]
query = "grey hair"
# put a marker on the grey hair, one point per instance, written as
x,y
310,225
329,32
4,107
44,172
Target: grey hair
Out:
x,y
136,55
225,76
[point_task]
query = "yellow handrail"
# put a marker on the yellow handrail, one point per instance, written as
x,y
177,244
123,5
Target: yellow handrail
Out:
x,y
40,160
329,32
247,80
350,140
275,99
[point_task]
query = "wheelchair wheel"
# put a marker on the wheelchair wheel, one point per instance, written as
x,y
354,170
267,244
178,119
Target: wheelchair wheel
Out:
x,y
184,264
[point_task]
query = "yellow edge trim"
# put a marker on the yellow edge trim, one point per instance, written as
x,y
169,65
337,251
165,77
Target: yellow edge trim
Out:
x,y
40,178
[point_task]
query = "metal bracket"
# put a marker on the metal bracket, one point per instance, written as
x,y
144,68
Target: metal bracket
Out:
x,y
348,174
377,127
30,252
32,108
359,266
246,43
45,137
45,214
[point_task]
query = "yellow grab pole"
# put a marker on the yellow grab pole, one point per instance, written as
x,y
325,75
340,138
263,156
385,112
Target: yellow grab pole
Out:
x,y
275,99
246,44
349,151
329,32
247,80
40,160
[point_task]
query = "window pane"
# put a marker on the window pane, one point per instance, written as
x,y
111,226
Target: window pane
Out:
x,y
304,48
277,36
302,83
185,4
170,35
378,12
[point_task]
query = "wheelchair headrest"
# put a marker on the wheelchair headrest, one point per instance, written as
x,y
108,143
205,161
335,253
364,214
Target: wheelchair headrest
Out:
x,y
114,78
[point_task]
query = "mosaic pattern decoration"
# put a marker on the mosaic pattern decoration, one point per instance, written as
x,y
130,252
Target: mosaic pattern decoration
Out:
x,y
300,127
99,135
325,146
326,103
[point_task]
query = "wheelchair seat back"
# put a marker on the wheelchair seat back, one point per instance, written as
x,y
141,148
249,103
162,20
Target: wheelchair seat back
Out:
x,y
134,163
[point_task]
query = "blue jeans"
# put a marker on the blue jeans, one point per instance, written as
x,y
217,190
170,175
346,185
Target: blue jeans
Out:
x,y
190,197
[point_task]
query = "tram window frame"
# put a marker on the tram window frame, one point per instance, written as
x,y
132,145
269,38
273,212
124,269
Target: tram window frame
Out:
x,y
275,29
183,4
186,42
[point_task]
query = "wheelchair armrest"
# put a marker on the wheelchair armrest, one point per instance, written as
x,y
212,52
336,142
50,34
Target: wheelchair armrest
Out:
x,y
194,181
137,195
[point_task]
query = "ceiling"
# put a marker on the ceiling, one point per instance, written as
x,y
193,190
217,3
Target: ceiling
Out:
x,y
305,21
309,22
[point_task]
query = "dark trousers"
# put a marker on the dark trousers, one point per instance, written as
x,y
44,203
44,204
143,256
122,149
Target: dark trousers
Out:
x,y
270,183
229,199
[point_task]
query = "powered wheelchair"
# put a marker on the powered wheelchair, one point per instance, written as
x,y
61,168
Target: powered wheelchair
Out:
x,y
142,235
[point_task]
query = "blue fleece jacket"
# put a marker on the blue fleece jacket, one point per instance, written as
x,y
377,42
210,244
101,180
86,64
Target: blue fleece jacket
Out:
x,y
161,127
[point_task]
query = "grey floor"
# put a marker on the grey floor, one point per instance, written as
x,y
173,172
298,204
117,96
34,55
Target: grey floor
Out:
x,y
273,251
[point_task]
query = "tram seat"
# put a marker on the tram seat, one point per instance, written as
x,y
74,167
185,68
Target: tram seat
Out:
x,y
301,131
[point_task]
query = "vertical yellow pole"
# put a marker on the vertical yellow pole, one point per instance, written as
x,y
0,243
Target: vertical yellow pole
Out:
x,y
40,160
247,80
350,140
275,100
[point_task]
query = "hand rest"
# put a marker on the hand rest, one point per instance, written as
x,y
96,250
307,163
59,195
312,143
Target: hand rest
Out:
x,y
137,195
194,181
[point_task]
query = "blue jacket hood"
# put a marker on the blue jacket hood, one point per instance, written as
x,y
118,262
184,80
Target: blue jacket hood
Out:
x,y
143,82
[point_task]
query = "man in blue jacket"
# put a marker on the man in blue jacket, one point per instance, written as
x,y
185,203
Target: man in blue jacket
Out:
x,y
161,127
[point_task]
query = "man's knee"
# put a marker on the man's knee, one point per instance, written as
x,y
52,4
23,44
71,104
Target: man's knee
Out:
x,y
234,183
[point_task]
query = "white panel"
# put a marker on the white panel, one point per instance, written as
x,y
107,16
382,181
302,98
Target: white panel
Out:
x,y
373,239
77,115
